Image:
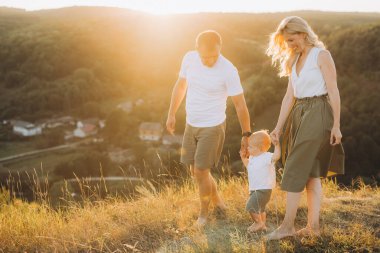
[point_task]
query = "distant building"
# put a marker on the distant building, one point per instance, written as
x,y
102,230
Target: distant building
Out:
x,y
86,128
57,122
24,128
126,106
150,131
172,139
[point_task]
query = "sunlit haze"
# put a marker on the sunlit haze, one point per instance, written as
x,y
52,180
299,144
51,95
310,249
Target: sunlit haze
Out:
x,y
175,6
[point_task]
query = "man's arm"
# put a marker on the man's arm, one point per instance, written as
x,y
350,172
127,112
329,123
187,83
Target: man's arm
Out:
x,y
243,115
242,112
178,94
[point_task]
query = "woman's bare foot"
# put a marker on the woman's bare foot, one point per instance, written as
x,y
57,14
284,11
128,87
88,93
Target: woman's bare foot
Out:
x,y
280,233
308,231
255,227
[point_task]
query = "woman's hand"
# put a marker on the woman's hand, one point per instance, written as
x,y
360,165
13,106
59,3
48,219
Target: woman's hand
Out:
x,y
275,136
336,136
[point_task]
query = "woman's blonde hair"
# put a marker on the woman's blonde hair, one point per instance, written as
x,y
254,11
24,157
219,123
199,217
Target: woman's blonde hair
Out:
x,y
277,48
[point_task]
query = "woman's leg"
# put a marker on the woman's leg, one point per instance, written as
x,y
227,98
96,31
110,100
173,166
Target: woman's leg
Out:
x,y
287,226
314,197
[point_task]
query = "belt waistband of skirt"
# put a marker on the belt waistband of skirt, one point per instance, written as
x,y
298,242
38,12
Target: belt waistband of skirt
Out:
x,y
307,99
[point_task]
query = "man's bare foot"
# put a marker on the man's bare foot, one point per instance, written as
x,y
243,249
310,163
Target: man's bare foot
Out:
x,y
279,234
220,212
255,227
308,231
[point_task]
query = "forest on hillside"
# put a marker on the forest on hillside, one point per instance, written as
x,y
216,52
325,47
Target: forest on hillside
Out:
x,y
70,61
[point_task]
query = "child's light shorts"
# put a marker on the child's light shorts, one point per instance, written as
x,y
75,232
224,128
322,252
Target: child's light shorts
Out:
x,y
258,200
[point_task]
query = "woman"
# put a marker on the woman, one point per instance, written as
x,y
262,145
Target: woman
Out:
x,y
309,118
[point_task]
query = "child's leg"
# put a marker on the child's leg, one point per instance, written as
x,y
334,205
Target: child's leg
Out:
x,y
258,224
264,219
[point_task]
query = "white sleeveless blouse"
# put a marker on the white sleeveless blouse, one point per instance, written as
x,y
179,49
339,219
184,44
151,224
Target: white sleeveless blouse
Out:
x,y
310,81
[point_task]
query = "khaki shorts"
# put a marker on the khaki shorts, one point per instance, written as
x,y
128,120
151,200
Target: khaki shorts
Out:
x,y
202,146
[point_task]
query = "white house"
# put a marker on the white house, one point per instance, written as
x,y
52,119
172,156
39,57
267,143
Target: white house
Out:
x,y
150,131
24,128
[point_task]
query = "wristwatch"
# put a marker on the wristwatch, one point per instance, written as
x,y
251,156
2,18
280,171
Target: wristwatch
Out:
x,y
246,134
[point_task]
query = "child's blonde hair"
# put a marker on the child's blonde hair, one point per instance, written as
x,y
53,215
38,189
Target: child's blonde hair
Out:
x,y
261,139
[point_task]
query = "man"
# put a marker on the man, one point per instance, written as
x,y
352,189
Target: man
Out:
x,y
207,78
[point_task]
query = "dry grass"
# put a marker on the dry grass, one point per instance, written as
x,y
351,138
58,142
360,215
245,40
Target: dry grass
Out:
x,y
162,222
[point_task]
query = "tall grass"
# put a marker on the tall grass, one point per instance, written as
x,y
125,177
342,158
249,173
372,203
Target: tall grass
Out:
x,y
160,219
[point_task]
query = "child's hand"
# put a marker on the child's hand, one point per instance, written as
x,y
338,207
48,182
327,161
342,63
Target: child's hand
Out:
x,y
244,147
243,157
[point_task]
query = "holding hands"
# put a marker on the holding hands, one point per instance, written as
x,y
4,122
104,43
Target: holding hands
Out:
x,y
275,136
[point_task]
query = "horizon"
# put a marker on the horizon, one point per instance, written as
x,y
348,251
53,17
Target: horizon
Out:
x,y
161,7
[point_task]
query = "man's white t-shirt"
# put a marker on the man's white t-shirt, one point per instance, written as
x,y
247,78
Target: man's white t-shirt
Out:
x,y
208,89
261,172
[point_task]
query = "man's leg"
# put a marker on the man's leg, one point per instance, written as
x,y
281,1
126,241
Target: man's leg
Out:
x,y
216,199
203,179
314,196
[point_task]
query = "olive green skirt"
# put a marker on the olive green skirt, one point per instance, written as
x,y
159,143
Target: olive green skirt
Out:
x,y
306,149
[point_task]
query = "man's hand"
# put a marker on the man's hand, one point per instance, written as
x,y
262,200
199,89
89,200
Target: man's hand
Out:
x,y
244,147
170,124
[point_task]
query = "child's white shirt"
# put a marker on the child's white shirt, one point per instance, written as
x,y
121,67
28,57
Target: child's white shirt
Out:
x,y
261,172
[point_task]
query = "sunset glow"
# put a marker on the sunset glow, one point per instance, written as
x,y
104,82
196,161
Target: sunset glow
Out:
x,y
172,6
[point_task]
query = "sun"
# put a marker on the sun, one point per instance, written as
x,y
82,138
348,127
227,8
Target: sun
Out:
x,y
159,8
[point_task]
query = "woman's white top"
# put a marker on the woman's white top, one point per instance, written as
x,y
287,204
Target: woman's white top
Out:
x,y
309,82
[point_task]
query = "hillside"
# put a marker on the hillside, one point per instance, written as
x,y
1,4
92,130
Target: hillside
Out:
x,y
161,221
78,61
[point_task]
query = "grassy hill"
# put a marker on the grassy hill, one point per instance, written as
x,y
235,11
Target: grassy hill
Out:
x,y
161,221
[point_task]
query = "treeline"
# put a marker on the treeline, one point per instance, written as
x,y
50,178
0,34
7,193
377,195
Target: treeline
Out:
x,y
73,60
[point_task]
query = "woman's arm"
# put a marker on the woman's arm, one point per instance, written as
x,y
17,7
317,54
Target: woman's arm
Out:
x,y
286,106
327,66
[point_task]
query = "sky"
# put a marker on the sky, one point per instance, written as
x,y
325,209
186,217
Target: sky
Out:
x,y
190,6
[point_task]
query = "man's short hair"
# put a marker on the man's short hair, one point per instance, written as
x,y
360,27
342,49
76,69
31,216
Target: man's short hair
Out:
x,y
209,39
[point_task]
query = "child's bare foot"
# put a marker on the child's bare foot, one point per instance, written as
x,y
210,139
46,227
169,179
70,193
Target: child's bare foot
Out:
x,y
280,233
308,231
255,227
